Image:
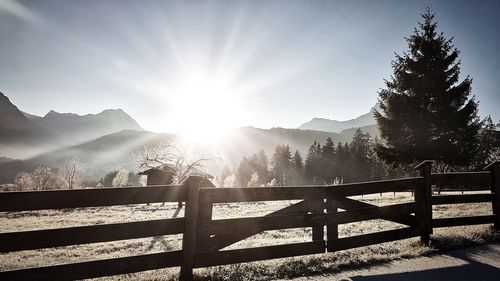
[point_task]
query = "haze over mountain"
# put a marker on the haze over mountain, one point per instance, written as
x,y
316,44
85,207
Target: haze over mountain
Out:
x,y
24,135
17,132
115,151
322,124
106,153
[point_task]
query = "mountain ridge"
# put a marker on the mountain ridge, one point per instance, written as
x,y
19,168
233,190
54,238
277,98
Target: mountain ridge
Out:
x,y
329,125
24,135
11,117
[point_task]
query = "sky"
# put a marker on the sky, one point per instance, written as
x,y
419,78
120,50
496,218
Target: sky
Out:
x,y
204,64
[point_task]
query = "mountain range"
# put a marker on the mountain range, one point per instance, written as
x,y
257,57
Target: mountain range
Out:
x,y
24,135
76,128
322,124
107,140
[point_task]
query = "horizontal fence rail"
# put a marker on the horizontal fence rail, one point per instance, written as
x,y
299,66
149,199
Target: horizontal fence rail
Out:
x,y
259,253
386,212
249,194
80,198
98,268
48,238
458,221
229,226
365,188
373,238
205,239
461,198
469,180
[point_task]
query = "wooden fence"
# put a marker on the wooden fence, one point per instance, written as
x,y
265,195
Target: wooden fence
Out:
x,y
204,238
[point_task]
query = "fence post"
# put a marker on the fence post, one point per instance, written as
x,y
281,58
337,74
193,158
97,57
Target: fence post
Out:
x,y
318,231
332,227
423,198
495,190
193,184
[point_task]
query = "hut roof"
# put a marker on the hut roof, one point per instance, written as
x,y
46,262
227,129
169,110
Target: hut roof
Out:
x,y
159,169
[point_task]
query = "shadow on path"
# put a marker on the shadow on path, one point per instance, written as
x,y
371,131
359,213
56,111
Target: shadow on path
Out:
x,y
476,268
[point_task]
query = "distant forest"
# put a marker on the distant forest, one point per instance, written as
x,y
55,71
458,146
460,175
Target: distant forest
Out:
x,y
330,163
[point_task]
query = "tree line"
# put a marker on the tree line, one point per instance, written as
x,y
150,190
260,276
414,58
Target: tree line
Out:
x,y
326,163
330,163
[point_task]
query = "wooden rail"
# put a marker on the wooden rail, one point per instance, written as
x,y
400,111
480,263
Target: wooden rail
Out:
x,y
98,268
205,238
80,198
470,180
48,238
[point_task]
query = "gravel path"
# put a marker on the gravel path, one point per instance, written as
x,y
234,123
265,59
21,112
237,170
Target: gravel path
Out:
x,y
480,263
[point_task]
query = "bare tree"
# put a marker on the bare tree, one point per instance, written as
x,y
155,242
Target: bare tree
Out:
x,y
72,170
42,177
175,158
172,156
24,181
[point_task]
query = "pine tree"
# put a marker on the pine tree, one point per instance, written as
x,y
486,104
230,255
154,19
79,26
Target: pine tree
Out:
x,y
427,113
244,173
379,168
327,158
297,175
340,160
259,163
281,163
361,162
312,164
108,179
347,167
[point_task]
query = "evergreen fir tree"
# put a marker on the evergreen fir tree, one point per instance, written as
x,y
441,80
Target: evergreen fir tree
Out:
x,y
297,175
340,160
379,168
327,161
107,181
280,164
259,163
312,163
427,112
347,169
361,161
244,173
297,161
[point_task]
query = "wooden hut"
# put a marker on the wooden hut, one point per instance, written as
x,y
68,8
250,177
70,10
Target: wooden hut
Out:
x,y
164,175
159,176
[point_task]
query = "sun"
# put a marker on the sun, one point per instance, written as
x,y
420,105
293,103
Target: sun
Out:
x,y
205,105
